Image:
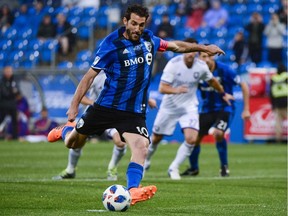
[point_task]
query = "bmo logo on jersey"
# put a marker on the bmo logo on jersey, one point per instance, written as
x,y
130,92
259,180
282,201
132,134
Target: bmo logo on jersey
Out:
x,y
139,60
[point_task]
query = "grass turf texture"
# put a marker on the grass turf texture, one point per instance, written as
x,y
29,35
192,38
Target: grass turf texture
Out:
x,y
257,185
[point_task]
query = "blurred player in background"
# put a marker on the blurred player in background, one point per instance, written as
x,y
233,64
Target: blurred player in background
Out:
x,y
216,113
179,83
119,148
126,56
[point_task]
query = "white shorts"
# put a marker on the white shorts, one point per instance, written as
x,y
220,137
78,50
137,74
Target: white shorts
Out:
x,y
165,123
110,132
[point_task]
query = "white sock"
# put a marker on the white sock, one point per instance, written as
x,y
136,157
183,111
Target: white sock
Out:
x,y
151,150
117,154
183,152
73,157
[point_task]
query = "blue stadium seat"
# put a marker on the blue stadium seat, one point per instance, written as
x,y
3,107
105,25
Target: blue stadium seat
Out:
x,y
65,65
20,44
159,9
84,55
48,51
183,33
35,44
82,65
5,44
11,33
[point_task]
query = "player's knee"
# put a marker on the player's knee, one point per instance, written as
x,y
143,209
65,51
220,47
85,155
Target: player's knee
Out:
x,y
191,140
218,135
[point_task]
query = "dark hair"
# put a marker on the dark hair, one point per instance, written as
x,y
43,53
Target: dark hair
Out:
x,y
137,9
191,40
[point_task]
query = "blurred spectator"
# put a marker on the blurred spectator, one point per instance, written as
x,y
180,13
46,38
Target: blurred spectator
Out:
x,y
44,124
278,95
6,18
255,29
8,103
181,9
65,34
239,48
275,31
46,28
23,105
69,3
165,29
89,3
37,12
283,11
21,16
216,16
22,127
196,13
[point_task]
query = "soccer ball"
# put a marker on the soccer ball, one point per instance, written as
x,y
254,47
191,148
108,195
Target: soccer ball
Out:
x,y
116,198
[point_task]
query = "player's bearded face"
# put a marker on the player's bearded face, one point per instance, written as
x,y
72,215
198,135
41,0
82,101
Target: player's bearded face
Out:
x,y
134,27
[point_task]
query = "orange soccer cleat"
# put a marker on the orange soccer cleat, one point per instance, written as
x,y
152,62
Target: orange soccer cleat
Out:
x,y
142,193
56,133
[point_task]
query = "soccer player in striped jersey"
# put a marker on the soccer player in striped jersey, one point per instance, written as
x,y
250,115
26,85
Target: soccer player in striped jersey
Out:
x,y
126,56
215,113
179,83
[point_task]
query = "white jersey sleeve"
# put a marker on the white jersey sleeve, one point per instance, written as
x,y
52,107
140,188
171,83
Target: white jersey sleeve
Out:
x,y
97,86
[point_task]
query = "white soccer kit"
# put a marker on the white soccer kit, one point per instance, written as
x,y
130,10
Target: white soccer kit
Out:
x,y
180,107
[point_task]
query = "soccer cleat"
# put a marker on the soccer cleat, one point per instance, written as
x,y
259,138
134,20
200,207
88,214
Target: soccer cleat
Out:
x,y
112,174
56,133
174,174
64,175
142,193
224,171
190,172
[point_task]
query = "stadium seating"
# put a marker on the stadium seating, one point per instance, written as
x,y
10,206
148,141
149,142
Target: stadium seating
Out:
x,y
22,35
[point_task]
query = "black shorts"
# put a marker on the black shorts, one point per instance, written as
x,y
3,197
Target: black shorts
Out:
x,y
218,119
97,119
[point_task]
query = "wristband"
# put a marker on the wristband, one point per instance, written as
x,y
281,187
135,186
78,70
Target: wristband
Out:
x,y
223,94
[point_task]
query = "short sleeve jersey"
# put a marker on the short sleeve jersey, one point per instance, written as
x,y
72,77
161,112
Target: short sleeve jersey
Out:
x,y
213,101
176,73
127,65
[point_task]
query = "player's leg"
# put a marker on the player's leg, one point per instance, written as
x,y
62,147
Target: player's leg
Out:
x,y
70,171
164,124
221,126
132,128
118,152
190,126
206,120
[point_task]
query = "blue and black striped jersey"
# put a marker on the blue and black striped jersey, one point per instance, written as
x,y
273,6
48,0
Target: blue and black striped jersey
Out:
x,y
211,100
128,67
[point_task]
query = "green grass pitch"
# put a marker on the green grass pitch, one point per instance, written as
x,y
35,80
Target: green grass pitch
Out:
x,y
257,184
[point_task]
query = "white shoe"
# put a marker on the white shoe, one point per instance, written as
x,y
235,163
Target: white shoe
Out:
x,y
112,174
174,174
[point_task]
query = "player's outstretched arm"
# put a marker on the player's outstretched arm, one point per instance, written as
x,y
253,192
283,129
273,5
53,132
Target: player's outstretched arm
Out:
x,y
81,90
245,91
185,47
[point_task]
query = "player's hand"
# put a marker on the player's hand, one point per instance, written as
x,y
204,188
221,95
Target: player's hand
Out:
x,y
227,97
246,114
214,50
72,113
152,103
181,89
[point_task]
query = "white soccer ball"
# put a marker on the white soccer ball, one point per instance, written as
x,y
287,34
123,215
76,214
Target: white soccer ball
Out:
x,y
116,198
